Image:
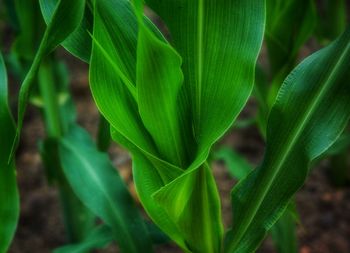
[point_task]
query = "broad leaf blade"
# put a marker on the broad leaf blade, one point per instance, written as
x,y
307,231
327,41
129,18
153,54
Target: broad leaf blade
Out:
x,y
113,70
66,18
78,42
9,197
284,231
158,86
112,81
222,92
289,25
310,112
90,171
219,42
216,86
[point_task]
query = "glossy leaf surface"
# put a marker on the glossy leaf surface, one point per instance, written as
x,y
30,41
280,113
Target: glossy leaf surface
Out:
x,y
310,112
168,103
66,18
78,42
283,232
99,187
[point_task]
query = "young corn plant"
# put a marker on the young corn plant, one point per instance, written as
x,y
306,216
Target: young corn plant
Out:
x,y
47,81
169,101
332,22
256,193
285,36
289,24
51,96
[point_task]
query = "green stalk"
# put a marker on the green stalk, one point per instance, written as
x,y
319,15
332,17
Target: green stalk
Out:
x,y
78,219
51,106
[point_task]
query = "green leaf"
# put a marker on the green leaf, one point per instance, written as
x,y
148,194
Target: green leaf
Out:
x,y
78,42
31,28
113,74
310,112
115,57
218,60
9,14
9,197
138,73
78,219
90,172
158,237
332,19
284,233
213,96
158,86
98,238
339,146
284,230
289,23
235,163
66,18
261,91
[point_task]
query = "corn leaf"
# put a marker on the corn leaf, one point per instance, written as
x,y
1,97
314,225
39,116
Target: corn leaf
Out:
x,y
237,166
78,42
310,112
99,187
98,238
158,86
111,56
332,19
288,25
138,85
111,67
66,18
211,98
31,28
9,198
283,232
216,58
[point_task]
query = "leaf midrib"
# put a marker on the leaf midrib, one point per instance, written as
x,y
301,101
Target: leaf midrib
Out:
x,y
95,177
200,20
298,131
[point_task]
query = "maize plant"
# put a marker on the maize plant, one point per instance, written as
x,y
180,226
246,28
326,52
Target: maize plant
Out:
x,y
168,98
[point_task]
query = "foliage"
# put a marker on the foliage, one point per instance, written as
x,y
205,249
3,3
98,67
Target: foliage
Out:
x,y
167,98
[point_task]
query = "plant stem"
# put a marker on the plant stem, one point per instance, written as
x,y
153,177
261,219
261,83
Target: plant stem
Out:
x,y
78,219
51,107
